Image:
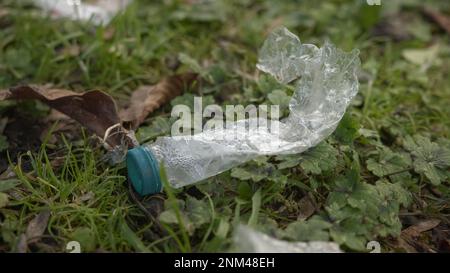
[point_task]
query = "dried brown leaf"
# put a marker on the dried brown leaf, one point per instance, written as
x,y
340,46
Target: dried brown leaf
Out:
x,y
306,207
148,98
442,20
406,246
422,226
95,110
37,226
55,115
22,245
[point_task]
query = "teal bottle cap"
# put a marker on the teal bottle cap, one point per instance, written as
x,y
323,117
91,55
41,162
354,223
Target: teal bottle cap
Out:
x,y
143,171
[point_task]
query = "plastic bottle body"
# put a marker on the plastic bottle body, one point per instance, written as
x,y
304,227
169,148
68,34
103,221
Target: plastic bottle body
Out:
x,y
188,163
325,81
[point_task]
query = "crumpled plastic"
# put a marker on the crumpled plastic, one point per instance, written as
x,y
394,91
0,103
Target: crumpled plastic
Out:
x,y
325,81
248,240
98,12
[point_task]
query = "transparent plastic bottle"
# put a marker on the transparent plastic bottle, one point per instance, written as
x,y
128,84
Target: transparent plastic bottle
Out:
x,y
325,81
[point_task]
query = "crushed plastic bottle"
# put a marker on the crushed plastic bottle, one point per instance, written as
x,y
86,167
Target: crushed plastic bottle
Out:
x,y
325,81
248,240
98,12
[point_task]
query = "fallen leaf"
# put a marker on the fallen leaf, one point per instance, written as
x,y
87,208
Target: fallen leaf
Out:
x,y
442,20
37,226
148,98
57,123
307,208
55,115
95,110
422,57
22,245
404,245
422,226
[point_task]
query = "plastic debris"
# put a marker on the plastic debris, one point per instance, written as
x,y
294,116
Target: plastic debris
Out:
x,y
247,240
98,12
325,81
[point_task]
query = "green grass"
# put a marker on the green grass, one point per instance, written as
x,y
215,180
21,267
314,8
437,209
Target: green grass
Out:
x,y
89,199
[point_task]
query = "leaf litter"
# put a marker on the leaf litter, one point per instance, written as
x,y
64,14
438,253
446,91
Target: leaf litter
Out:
x,y
147,98
97,111
37,226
